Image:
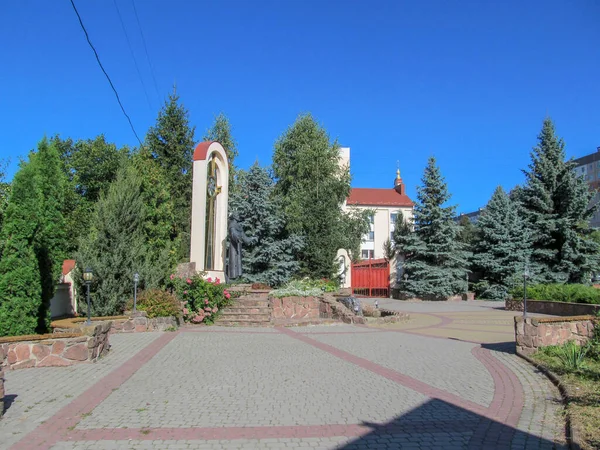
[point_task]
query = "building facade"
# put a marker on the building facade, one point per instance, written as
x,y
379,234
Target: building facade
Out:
x,y
588,166
386,203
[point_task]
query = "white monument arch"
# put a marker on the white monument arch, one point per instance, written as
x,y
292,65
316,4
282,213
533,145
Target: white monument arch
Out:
x,y
210,191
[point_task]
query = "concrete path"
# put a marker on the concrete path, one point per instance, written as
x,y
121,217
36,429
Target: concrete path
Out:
x,y
445,380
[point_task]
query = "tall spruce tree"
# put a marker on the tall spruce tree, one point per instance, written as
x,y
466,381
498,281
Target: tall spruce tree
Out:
x,y
502,249
221,133
436,263
115,249
555,204
271,256
171,143
312,187
20,282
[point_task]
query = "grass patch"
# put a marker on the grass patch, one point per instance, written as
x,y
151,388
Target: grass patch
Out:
x,y
579,372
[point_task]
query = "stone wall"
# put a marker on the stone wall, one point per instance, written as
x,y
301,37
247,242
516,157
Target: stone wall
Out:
x,y
55,350
553,308
532,333
130,323
294,307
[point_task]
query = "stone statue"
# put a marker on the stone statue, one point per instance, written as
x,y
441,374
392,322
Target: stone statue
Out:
x,y
342,266
236,239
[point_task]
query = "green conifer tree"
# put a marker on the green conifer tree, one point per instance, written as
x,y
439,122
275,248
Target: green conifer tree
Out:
x,y
502,250
159,219
20,282
271,256
4,193
436,263
555,204
50,241
115,249
312,188
171,143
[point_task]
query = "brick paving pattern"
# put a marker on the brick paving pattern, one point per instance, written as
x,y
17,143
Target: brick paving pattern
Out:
x,y
445,380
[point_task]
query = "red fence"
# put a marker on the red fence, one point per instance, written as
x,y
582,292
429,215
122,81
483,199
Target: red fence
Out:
x,y
371,278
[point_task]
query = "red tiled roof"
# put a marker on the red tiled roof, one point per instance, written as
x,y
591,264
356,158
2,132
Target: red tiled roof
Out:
x,y
201,150
68,265
377,197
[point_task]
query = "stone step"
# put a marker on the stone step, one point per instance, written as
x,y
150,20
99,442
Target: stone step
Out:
x,y
237,316
251,302
241,323
244,309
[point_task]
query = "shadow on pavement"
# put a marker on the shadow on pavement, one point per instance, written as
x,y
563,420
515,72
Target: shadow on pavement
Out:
x,y
505,347
8,401
438,424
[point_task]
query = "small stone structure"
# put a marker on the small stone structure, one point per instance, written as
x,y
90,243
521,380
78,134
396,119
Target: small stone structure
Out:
x,y
57,349
139,322
532,333
294,307
553,308
330,308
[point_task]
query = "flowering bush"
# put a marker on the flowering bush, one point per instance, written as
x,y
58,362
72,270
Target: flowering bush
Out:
x,y
201,299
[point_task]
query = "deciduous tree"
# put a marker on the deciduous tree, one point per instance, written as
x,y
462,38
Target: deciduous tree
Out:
x,y
312,187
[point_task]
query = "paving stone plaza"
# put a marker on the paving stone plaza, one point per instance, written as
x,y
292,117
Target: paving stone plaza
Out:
x,y
446,379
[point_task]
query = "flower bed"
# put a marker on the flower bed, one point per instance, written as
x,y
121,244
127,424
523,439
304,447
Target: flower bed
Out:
x,y
201,299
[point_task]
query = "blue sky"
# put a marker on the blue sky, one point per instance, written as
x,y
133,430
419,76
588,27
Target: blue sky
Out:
x,y
466,81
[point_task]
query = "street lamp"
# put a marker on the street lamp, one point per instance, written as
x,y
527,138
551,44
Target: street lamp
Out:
x,y
88,276
526,275
136,279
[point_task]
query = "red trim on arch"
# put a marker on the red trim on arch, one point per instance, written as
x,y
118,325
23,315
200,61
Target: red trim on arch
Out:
x,y
201,151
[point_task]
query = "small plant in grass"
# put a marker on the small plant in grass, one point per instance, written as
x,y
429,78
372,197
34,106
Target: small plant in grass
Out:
x,y
201,299
157,303
572,355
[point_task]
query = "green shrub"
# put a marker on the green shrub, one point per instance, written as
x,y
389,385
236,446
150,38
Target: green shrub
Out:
x,y
571,293
157,303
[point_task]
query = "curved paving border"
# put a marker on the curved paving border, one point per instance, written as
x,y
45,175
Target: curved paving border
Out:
x,y
489,431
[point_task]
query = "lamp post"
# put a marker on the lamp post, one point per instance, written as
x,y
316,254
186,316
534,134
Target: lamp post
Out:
x,y
136,279
525,276
88,276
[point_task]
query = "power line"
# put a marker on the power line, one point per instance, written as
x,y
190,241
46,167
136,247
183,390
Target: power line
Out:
x,y
104,71
137,68
145,48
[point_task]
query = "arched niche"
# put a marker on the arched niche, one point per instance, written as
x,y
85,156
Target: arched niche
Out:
x,y
210,191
